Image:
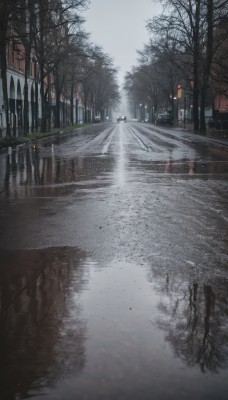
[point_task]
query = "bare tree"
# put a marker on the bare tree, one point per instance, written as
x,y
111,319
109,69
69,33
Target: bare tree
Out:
x,y
55,21
22,24
105,86
219,71
6,11
190,26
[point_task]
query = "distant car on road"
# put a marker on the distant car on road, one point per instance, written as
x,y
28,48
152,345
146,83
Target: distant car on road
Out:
x,y
122,118
97,118
164,119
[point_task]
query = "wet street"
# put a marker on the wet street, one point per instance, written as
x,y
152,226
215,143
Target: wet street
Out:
x,y
114,266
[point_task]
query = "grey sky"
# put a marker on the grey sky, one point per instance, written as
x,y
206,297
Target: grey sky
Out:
x,y
119,27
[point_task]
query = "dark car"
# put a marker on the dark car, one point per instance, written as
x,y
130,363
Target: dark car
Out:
x,y
164,119
122,118
220,121
97,118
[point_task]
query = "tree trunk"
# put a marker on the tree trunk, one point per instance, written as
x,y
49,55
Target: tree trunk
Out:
x,y
72,104
202,110
57,107
196,68
49,105
41,52
57,111
26,106
36,111
27,42
4,85
43,104
207,68
76,116
86,115
5,9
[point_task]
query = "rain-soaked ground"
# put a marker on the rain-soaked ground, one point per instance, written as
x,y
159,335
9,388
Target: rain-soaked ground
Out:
x,y
114,266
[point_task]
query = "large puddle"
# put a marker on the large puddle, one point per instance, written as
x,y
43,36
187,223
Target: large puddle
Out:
x,y
122,291
73,327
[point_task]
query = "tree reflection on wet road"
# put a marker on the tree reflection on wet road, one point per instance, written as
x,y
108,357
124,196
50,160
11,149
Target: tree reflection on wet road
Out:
x,y
113,276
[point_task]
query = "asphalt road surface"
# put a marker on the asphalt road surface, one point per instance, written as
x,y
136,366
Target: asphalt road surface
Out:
x,y
114,266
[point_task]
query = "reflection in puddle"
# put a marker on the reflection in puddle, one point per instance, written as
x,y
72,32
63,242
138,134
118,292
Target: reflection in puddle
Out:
x,y
25,167
194,318
40,335
120,176
186,166
75,328
28,167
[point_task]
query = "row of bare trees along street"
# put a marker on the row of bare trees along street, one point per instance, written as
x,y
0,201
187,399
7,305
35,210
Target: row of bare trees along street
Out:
x,y
187,48
50,40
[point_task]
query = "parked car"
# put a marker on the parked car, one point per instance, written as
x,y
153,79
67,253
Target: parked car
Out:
x,y
164,119
220,121
97,118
